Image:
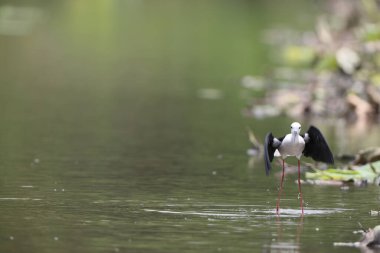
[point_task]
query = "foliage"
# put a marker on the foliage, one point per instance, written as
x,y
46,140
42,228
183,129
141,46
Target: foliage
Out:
x,y
369,173
338,62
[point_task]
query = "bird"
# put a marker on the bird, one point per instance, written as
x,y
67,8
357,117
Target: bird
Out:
x,y
310,144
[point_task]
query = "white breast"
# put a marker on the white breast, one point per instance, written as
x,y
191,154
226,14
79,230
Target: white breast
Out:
x,y
290,147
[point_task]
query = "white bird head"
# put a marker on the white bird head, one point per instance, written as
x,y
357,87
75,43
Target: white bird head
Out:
x,y
295,128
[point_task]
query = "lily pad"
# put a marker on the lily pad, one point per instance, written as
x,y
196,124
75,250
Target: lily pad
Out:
x,y
334,174
368,172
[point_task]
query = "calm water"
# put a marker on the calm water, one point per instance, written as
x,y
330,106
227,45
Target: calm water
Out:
x,y
108,145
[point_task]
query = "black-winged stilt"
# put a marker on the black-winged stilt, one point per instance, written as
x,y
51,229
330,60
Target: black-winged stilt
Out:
x,y
311,144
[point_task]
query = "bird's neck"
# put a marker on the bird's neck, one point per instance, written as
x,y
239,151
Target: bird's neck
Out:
x,y
294,137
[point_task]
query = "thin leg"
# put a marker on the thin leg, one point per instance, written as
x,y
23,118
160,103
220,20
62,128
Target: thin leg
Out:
x,y
299,185
280,191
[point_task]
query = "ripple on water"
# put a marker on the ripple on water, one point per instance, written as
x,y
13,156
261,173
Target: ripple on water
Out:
x,y
239,212
22,199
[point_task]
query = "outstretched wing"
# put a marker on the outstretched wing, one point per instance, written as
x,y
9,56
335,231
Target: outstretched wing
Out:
x,y
268,151
317,147
269,148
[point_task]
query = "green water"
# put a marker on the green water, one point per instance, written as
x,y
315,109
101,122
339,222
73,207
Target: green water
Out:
x,y
107,146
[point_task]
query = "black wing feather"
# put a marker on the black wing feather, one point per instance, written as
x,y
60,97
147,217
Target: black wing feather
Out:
x,y
269,150
317,147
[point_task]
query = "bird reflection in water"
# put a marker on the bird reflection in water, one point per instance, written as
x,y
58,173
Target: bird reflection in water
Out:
x,y
281,244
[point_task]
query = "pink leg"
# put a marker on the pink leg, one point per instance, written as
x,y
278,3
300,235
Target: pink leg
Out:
x,y
280,191
299,185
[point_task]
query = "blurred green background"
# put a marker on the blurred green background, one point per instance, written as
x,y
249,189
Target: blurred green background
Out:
x,y
128,69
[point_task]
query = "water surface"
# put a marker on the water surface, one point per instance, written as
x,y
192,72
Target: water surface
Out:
x,y
109,144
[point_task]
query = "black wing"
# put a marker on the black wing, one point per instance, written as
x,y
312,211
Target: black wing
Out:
x,y
269,149
317,147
